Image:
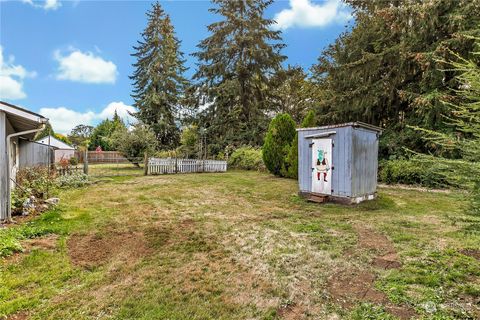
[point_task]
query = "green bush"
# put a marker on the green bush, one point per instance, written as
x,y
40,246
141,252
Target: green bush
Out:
x,y
35,181
280,135
411,172
291,168
165,154
73,161
247,158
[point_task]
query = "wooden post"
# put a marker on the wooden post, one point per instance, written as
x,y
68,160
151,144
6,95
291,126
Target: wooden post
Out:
x,y
145,164
85,162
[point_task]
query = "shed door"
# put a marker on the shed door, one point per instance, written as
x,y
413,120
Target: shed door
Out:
x,y
322,166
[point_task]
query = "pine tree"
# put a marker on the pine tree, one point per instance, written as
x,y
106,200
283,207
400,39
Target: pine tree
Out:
x,y
158,78
463,114
236,63
386,70
293,93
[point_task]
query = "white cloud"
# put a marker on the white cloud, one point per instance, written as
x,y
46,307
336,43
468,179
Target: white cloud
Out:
x,y
63,119
122,109
47,4
11,78
85,67
304,13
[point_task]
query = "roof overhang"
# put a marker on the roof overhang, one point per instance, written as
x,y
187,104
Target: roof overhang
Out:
x,y
21,119
349,124
320,135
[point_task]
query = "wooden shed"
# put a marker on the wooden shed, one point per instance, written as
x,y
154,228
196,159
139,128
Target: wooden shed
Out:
x,y
338,162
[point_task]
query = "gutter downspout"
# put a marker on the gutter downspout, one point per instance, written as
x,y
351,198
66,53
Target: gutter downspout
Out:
x,y
9,191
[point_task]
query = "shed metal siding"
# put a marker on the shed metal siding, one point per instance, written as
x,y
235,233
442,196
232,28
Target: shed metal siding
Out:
x,y
354,158
33,154
365,153
342,162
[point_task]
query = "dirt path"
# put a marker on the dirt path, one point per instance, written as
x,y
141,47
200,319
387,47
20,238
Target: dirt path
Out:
x,y
350,286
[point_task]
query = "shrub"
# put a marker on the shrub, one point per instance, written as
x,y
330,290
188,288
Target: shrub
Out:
x,y
411,172
75,180
73,161
247,158
291,168
35,181
278,141
166,154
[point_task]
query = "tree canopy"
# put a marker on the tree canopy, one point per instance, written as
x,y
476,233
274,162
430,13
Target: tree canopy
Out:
x,y
236,63
388,69
159,84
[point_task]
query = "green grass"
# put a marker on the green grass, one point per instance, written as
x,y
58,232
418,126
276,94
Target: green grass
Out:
x,y
237,245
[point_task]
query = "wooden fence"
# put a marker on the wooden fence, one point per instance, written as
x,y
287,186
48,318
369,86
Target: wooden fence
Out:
x,y
170,165
101,157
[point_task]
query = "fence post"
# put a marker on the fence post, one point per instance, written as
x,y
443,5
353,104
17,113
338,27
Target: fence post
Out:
x,y
176,165
85,162
145,164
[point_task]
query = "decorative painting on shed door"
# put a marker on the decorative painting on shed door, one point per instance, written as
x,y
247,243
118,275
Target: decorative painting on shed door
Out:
x,y
322,166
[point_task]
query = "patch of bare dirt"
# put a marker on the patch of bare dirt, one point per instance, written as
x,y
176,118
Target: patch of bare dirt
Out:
x,y
291,312
351,286
388,261
387,257
474,253
47,243
96,249
22,315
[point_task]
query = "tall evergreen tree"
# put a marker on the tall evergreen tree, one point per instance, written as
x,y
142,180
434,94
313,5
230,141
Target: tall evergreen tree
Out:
x,y
236,63
293,93
386,70
158,78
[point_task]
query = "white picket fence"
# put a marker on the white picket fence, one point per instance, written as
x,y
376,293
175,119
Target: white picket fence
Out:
x,y
170,165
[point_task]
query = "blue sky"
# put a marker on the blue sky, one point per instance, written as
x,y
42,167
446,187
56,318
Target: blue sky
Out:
x,y
70,60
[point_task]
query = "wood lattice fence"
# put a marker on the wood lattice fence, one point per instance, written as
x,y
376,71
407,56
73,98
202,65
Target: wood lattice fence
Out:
x,y
172,165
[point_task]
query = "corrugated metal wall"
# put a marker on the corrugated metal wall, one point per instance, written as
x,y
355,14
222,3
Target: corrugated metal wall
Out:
x,y
365,162
32,154
354,158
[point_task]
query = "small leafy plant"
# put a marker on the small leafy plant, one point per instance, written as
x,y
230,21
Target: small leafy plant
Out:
x,y
75,180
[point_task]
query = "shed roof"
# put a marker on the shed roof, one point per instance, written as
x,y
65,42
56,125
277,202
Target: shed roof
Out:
x,y
22,119
57,143
348,124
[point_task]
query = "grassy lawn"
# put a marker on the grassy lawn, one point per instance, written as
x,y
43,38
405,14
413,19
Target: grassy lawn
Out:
x,y
241,245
